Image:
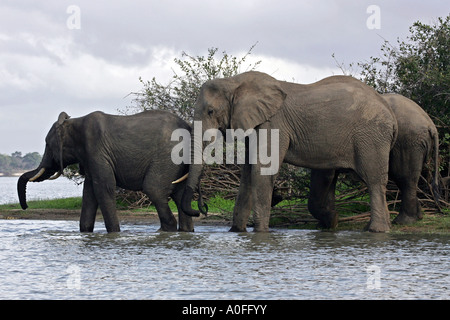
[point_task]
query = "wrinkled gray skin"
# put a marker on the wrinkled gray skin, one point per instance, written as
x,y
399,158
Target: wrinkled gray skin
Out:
x,y
132,152
335,123
417,138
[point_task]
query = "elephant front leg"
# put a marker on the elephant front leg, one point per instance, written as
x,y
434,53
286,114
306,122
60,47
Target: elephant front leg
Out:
x,y
243,205
262,194
88,208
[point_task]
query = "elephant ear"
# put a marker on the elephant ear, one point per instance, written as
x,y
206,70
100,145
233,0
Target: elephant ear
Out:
x,y
59,129
255,101
62,117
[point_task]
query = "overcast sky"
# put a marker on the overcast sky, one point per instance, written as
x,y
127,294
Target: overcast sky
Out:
x,y
80,56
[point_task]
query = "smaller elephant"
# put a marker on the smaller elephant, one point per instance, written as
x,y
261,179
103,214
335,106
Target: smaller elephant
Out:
x,y
132,152
417,138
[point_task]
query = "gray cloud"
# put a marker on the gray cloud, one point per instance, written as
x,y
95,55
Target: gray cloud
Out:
x,y
45,67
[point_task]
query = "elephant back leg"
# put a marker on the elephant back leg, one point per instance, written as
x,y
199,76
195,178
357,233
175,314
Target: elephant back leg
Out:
x,y
372,167
405,170
322,197
158,192
410,209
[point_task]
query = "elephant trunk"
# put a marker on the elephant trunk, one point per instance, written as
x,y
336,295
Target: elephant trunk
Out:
x,y
193,180
37,175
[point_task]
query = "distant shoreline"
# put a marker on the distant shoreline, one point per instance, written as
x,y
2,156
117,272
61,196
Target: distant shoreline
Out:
x,y
14,174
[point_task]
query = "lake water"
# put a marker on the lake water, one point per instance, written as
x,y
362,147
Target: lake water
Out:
x,y
51,260
53,189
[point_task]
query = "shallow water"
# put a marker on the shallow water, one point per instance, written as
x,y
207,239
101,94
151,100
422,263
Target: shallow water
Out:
x,y
52,260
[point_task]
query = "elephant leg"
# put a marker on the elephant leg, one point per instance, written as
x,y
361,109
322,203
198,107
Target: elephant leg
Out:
x,y
372,166
264,174
243,205
379,213
88,208
262,195
185,222
166,217
158,192
322,197
379,216
410,209
105,192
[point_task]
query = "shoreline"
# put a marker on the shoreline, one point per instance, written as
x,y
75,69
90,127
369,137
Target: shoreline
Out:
x,y
431,224
125,216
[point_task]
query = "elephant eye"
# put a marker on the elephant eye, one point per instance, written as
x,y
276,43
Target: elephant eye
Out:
x,y
210,112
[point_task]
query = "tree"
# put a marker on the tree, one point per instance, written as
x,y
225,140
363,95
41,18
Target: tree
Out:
x,y
418,68
16,163
31,160
180,94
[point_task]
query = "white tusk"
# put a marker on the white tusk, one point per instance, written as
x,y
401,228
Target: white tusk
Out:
x,y
55,176
40,173
181,179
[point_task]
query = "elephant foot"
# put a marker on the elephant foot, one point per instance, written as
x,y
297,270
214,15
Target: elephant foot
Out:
x,y
186,229
237,229
113,228
261,230
329,221
404,219
378,227
168,228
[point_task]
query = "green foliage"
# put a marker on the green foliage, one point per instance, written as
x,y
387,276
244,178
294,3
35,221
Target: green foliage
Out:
x,y
16,162
73,203
418,68
180,94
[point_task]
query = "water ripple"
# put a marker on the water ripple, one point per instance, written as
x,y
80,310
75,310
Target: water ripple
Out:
x,y
52,260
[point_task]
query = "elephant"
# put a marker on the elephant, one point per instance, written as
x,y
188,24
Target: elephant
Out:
x,y
132,152
417,137
336,123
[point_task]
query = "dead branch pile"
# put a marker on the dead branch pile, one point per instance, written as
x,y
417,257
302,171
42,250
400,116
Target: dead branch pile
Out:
x,y
293,183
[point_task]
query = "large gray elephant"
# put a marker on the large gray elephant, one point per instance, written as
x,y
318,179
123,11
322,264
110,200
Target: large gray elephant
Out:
x,y
132,152
417,138
338,122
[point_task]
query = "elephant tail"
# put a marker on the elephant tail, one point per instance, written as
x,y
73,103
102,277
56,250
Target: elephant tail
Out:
x,y
435,183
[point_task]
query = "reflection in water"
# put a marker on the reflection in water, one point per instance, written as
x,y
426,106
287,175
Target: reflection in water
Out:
x,y
52,260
